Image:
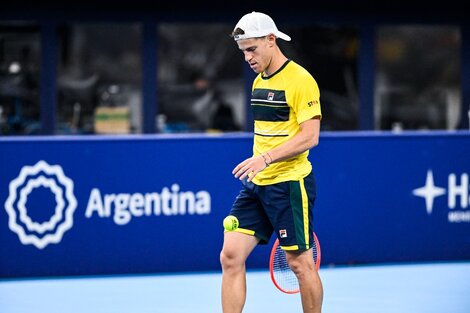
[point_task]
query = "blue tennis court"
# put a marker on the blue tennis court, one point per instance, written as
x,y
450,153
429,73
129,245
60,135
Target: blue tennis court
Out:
x,y
406,288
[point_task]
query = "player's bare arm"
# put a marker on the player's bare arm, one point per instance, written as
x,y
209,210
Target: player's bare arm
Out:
x,y
306,139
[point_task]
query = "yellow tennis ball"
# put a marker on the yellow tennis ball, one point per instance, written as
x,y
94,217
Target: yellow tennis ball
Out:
x,y
230,223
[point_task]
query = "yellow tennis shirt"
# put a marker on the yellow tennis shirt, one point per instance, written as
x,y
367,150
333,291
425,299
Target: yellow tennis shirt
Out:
x,y
280,103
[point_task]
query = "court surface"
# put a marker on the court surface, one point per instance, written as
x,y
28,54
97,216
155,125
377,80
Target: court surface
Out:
x,y
406,288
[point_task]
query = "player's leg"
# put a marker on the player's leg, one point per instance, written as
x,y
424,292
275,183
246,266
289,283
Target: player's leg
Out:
x,y
289,205
254,228
237,247
311,289
303,194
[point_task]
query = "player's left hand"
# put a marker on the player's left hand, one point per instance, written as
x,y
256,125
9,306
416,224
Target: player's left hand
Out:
x,y
249,168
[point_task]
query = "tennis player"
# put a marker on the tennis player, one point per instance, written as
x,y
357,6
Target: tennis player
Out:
x,y
278,186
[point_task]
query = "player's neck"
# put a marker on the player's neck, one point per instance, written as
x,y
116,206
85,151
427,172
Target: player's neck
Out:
x,y
277,62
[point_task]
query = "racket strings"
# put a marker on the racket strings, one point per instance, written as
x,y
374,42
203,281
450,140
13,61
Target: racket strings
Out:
x,y
283,275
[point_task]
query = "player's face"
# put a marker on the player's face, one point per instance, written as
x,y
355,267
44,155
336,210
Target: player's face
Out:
x,y
257,52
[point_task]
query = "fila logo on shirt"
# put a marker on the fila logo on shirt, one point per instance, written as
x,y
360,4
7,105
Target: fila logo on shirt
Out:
x,y
271,96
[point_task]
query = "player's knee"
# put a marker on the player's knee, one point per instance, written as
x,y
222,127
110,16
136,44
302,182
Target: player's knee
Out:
x,y
227,258
299,266
295,266
230,260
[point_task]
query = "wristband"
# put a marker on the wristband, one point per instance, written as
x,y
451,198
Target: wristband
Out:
x,y
264,158
269,157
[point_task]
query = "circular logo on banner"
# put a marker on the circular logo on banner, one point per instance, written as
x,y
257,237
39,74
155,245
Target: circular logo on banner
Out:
x,y
51,177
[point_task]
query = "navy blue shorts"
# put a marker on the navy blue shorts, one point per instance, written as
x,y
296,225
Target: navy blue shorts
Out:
x,y
285,208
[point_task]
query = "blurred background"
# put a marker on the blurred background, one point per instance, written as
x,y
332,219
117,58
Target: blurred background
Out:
x,y
119,67
121,121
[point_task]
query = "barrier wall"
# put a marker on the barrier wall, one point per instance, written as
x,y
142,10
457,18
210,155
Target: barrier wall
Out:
x,y
140,204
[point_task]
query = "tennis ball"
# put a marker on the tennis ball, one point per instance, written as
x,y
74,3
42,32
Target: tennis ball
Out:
x,y
230,223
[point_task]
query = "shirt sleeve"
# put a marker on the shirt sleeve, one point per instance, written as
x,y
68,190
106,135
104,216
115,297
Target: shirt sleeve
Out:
x,y
306,102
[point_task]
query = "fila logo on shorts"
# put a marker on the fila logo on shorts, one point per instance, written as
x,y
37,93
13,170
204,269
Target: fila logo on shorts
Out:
x,y
52,177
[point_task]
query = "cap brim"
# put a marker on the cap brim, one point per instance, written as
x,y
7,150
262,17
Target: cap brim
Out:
x,y
283,36
255,34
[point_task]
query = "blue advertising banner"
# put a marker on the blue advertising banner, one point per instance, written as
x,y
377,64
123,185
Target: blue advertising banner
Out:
x,y
144,204
392,198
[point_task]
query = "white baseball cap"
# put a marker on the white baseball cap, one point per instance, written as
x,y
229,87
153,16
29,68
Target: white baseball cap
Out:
x,y
256,24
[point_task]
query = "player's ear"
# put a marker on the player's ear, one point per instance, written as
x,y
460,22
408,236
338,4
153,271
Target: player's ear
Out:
x,y
271,39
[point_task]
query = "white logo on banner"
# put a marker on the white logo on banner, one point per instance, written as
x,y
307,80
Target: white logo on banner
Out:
x,y
457,189
429,191
122,207
51,231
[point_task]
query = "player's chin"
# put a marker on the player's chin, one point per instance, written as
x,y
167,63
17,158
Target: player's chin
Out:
x,y
256,68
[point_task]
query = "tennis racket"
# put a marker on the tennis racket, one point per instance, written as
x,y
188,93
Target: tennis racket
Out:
x,y
282,276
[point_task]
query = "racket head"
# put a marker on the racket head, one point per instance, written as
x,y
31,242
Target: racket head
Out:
x,y
281,275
